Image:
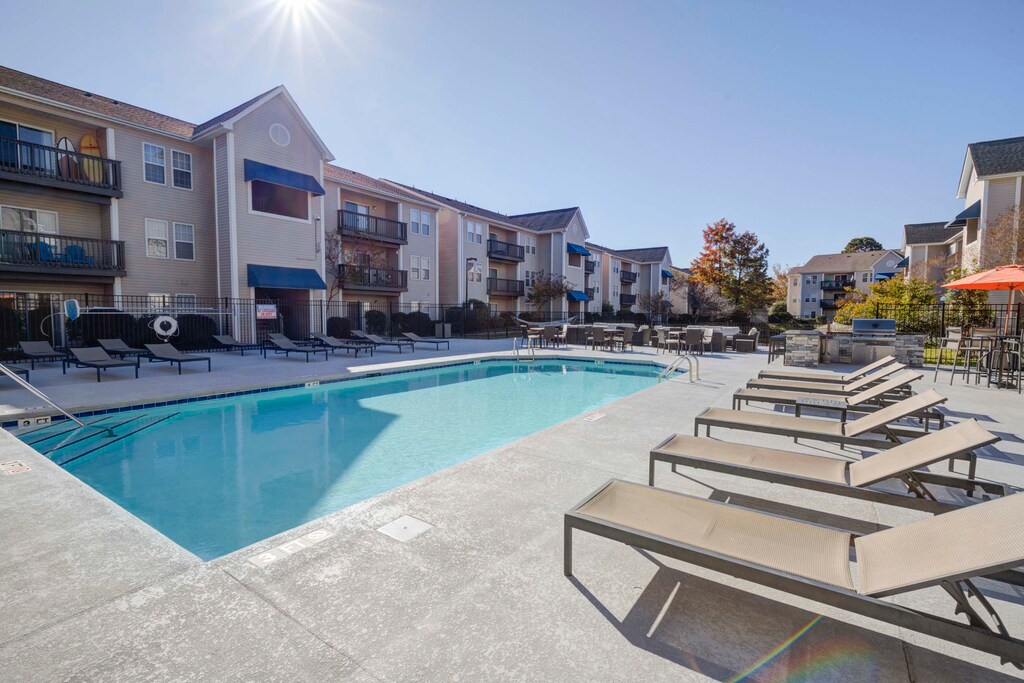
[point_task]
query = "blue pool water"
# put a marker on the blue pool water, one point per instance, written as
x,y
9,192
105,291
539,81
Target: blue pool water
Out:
x,y
226,473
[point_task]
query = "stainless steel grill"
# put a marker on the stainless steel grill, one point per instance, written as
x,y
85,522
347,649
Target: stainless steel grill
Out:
x,y
873,338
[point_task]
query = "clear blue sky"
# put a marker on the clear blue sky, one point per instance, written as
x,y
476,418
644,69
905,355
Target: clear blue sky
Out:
x,y
806,122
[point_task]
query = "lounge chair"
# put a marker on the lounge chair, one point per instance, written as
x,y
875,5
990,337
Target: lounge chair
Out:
x,y
336,344
813,562
416,339
842,477
746,343
278,343
230,343
95,357
852,432
166,353
380,341
826,387
826,376
40,352
16,371
116,347
869,400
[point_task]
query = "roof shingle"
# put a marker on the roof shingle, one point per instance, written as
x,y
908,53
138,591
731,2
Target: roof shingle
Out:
x,y
356,178
928,233
842,263
996,157
458,205
546,221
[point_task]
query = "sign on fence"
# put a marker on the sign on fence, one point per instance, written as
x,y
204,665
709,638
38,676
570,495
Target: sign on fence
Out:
x,y
266,311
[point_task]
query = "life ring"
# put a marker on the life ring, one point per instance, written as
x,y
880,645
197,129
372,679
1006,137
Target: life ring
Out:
x,y
165,326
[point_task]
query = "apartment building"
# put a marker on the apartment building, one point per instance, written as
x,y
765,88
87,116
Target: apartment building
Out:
x,y
626,274
816,288
932,250
653,267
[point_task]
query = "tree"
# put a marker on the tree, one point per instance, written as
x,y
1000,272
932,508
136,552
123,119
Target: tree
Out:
x,y
911,301
965,307
547,288
332,257
736,264
859,244
708,302
654,305
780,282
1003,239
679,290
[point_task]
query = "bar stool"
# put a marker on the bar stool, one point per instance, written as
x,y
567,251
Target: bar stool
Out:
x,y
973,347
953,340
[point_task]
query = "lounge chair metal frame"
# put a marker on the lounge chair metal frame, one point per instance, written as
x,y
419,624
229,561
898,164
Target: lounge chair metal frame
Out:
x,y
380,341
807,376
416,339
121,351
73,360
179,359
335,344
278,347
45,354
977,634
229,343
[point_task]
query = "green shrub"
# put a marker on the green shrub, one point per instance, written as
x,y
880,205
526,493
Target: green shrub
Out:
x,y
339,328
376,322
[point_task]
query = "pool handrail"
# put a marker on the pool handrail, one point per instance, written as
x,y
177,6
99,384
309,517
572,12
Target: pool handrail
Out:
x,y
40,395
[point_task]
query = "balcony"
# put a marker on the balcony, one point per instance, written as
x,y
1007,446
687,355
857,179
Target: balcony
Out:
x,y
28,162
354,224
837,285
373,279
505,251
627,299
628,276
502,287
30,252
589,266
827,304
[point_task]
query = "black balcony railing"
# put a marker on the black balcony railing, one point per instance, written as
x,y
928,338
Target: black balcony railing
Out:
x,y
837,285
380,279
505,251
628,276
627,299
588,266
501,286
38,252
52,167
356,224
827,304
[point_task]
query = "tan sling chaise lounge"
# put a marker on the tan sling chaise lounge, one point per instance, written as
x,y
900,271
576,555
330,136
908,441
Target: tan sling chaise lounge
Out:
x,y
805,376
852,432
853,387
814,562
841,477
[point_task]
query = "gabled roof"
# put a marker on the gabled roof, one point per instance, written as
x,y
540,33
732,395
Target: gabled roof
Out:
x,y
645,255
349,177
105,107
546,221
232,113
458,205
928,233
845,263
991,158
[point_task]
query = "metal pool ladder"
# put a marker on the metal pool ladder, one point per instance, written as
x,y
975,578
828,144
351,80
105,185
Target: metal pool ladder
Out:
x,y
49,401
692,365
517,352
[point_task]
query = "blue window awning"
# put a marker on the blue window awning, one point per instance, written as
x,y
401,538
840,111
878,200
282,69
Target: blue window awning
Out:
x,y
972,211
254,170
667,273
577,249
278,277
577,295
883,276
905,263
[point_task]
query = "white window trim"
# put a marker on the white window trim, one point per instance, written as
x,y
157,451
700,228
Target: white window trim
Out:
x,y
174,239
144,162
191,172
253,212
192,305
425,259
411,221
153,304
167,237
56,215
430,223
414,267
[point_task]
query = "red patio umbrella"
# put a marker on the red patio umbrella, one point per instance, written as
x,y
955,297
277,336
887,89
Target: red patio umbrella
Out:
x,y
1009,278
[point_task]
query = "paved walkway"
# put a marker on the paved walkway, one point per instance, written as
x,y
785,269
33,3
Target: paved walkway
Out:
x,y
91,593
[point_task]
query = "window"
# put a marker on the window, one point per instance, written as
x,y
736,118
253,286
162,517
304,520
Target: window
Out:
x,y
414,267
279,200
159,300
181,169
30,156
864,277
414,222
793,301
184,242
814,299
28,220
425,267
796,281
424,223
154,164
474,232
615,266
156,238
185,300
814,279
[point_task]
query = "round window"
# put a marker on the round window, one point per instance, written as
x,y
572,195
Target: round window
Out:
x,y
280,135
890,264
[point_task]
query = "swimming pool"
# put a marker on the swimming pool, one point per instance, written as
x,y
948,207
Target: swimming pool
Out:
x,y
222,474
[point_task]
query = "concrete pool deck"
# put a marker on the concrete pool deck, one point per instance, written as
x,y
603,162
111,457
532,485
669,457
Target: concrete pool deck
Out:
x,y
90,592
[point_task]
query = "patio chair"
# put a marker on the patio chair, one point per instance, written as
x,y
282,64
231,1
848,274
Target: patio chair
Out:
x,y
97,358
550,335
669,342
116,347
746,343
398,343
601,337
230,343
16,371
166,353
644,332
952,341
346,345
842,477
849,433
278,343
974,347
562,336
828,388
74,255
40,352
416,339
813,562
693,342
833,377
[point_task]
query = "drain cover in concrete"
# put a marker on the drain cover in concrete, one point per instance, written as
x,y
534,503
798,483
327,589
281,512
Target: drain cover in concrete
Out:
x,y
14,467
405,528
593,417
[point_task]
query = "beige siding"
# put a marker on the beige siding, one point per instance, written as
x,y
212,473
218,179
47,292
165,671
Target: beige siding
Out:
x,y
60,126
74,218
223,219
422,246
1002,195
975,190
271,240
448,235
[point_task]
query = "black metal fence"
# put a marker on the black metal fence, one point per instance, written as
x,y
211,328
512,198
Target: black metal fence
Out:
x,y
932,320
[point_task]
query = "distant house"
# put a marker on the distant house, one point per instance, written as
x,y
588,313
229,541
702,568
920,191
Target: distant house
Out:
x,y
932,249
816,288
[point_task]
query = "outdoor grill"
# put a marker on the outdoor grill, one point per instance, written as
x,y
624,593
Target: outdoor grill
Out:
x,y
873,338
